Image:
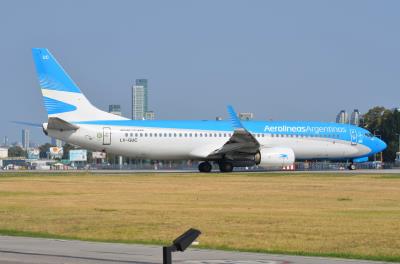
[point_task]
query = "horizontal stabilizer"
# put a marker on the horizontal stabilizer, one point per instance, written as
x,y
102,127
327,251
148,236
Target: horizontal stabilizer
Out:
x,y
27,123
59,124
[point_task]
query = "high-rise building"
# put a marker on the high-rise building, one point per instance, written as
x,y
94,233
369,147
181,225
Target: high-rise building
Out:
x,y
149,115
139,99
246,116
5,141
25,139
355,118
342,117
115,109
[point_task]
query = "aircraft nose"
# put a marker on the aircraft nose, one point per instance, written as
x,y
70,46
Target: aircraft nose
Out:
x,y
380,145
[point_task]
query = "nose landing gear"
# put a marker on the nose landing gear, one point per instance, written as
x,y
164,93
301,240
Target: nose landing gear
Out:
x,y
352,166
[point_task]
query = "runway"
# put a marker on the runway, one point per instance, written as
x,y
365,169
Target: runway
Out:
x,y
360,171
22,250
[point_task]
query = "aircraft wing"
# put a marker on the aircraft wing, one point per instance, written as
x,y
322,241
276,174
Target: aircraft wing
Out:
x,y
241,141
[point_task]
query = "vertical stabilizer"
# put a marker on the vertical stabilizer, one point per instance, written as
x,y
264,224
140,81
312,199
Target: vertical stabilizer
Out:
x,y
61,96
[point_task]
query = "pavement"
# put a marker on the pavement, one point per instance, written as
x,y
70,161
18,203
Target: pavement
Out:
x,y
23,250
359,171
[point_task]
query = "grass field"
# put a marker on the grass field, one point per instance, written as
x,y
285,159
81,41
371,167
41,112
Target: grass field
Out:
x,y
355,216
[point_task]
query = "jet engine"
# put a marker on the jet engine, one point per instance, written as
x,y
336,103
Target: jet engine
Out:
x,y
272,157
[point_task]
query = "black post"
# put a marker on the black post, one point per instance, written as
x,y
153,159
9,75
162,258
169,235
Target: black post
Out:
x,y
180,244
167,255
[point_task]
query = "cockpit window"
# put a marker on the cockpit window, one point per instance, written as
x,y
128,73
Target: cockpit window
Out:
x,y
369,135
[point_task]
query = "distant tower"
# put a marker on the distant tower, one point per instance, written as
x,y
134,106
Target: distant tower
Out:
x,y
355,118
115,109
25,139
139,99
5,141
342,117
246,116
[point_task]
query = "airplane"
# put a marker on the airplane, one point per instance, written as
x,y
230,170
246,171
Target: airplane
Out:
x,y
234,143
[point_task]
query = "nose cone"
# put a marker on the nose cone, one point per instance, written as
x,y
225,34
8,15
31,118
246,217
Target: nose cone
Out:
x,y
380,145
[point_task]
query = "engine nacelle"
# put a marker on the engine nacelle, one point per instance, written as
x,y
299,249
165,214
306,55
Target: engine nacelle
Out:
x,y
273,157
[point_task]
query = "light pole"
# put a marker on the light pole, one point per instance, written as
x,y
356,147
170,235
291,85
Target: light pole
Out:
x,y
398,134
375,135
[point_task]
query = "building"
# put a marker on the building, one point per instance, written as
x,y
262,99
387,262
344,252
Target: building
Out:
x,y
57,142
342,117
218,118
115,109
139,99
3,153
5,141
246,116
355,118
149,115
25,139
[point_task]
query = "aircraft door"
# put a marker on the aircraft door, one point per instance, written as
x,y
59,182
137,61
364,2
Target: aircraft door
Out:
x,y
353,136
106,136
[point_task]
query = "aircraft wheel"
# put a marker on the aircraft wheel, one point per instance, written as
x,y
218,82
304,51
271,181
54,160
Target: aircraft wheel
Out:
x,y
205,167
352,167
225,166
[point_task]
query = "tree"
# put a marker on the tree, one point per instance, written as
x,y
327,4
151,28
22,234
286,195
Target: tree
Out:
x,y
44,149
16,151
384,123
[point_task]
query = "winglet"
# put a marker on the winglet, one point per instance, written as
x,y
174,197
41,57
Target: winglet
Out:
x,y
234,118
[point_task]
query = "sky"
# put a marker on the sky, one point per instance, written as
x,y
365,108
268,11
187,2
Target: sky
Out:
x,y
282,60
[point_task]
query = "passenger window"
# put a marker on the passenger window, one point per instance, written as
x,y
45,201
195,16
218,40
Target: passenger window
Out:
x,y
126,134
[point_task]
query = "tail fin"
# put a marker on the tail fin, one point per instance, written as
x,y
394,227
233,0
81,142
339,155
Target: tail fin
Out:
x,y
62,97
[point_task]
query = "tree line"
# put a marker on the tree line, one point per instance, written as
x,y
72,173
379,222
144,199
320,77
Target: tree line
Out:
x,y
384,123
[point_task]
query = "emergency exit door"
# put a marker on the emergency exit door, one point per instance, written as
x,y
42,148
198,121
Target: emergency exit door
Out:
x,y
106,136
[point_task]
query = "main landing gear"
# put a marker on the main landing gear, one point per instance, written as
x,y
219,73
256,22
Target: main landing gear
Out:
x,y
205,167
224,166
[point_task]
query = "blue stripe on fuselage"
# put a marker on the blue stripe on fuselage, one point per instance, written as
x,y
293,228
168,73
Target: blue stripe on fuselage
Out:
x,y
271,127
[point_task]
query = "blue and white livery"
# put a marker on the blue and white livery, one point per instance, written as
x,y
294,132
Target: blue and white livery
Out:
x,y
233,143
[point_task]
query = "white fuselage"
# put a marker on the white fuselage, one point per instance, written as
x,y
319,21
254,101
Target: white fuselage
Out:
x,y
173,144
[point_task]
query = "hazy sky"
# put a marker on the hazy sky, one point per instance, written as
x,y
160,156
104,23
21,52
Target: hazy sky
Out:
x,y
279,59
